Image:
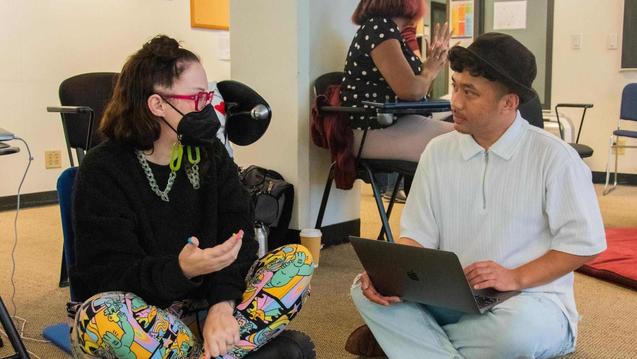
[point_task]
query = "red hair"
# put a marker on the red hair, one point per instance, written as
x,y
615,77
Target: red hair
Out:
x,y
409,9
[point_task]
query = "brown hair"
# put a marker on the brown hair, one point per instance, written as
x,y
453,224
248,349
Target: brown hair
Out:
x,y
366,9
461,61
127,117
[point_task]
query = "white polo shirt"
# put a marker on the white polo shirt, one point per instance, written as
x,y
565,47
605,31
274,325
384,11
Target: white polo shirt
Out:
x,y
527,194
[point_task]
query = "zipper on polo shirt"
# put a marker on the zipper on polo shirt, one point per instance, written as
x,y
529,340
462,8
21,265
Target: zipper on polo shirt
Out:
x,y
484,180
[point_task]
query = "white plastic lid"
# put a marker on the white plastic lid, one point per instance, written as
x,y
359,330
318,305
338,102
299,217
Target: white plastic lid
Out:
x,y
311,232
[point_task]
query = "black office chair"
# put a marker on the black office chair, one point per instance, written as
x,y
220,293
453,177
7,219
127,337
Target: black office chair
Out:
x,y
627,112
83,99
367,168
584,151
532,112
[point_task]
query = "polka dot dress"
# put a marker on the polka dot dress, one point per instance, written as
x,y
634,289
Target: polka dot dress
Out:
x,y
363,81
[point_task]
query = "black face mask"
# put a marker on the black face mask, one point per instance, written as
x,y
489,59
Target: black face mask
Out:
x,y
197,128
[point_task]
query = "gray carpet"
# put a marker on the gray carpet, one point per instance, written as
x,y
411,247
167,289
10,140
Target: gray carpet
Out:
x,y
607,328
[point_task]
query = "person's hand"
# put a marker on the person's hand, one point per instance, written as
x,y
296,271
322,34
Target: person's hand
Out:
x,y
220,331
370,292
437,50
489,274
195,261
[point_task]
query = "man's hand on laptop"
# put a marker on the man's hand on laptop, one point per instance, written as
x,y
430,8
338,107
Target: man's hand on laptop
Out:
x,y
370,292
489,274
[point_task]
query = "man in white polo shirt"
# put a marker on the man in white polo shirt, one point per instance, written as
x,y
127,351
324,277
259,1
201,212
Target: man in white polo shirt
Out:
x,y
516,205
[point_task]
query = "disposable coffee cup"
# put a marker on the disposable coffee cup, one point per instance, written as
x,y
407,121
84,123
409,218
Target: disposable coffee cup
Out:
x,y
311,239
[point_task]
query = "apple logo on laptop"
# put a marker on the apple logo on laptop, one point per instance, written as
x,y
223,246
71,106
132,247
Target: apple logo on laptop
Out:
x,y
412,275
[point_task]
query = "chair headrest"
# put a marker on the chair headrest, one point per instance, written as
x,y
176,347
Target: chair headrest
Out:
x,y
247,113
93,90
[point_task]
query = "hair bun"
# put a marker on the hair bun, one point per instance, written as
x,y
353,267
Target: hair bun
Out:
x,y
162,47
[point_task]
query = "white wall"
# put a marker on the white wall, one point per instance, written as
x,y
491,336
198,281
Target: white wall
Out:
x,y
43,42
279,48
591,74
330,37
269,53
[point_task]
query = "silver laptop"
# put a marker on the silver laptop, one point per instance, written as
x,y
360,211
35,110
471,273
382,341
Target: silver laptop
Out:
x,y
423,275
6,135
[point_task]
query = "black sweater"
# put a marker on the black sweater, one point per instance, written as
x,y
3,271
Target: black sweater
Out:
x,y
128,239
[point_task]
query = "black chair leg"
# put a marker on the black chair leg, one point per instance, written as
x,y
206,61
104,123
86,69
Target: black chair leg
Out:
x,y
379,204
64,275
12,333
326,195
392,200
408,181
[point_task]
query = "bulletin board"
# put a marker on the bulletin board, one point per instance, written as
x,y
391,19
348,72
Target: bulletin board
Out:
x,y
210,14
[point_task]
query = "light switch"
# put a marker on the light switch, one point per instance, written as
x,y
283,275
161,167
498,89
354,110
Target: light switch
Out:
x,y
612,41
576,41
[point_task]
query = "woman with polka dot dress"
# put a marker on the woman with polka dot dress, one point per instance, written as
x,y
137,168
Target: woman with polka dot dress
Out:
x,y
380,67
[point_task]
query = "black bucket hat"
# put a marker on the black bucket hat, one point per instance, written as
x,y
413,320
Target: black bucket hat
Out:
x,y
513,63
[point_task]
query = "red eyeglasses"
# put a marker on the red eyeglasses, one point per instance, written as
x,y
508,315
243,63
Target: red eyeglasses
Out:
x,y
201,99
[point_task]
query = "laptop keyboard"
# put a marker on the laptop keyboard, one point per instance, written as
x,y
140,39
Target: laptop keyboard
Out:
x,y
485,301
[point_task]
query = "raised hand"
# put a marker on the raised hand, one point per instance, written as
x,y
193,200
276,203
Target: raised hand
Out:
x,y
437,49
195,261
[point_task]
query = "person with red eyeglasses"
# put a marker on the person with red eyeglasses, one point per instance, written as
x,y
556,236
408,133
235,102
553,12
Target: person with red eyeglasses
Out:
x,y
166,263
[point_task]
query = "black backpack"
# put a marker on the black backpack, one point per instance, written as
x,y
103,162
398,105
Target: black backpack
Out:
x,y
273,199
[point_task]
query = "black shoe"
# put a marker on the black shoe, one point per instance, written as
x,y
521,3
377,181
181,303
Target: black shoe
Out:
x,y
362,343
290,344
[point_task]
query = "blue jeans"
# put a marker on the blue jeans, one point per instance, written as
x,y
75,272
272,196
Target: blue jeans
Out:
x,y
525,326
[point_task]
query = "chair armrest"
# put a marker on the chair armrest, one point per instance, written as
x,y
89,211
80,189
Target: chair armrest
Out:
x,y
69,109
578,105
76,110
584,106
344,109
411,107
385,112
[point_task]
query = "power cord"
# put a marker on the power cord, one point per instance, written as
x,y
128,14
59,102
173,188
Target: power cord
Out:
x,y
15,226
15,243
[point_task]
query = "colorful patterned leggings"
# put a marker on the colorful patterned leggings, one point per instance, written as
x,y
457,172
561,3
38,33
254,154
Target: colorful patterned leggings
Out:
x,y
122,325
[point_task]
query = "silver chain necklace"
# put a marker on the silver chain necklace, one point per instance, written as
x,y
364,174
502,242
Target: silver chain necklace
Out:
x,y
192,173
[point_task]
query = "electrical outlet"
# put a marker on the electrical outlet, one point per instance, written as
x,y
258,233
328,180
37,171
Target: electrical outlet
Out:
x,y
576,41
621,150
612,41
52,159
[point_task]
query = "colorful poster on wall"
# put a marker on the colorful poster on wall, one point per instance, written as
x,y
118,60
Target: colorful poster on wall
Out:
x,y
462,19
